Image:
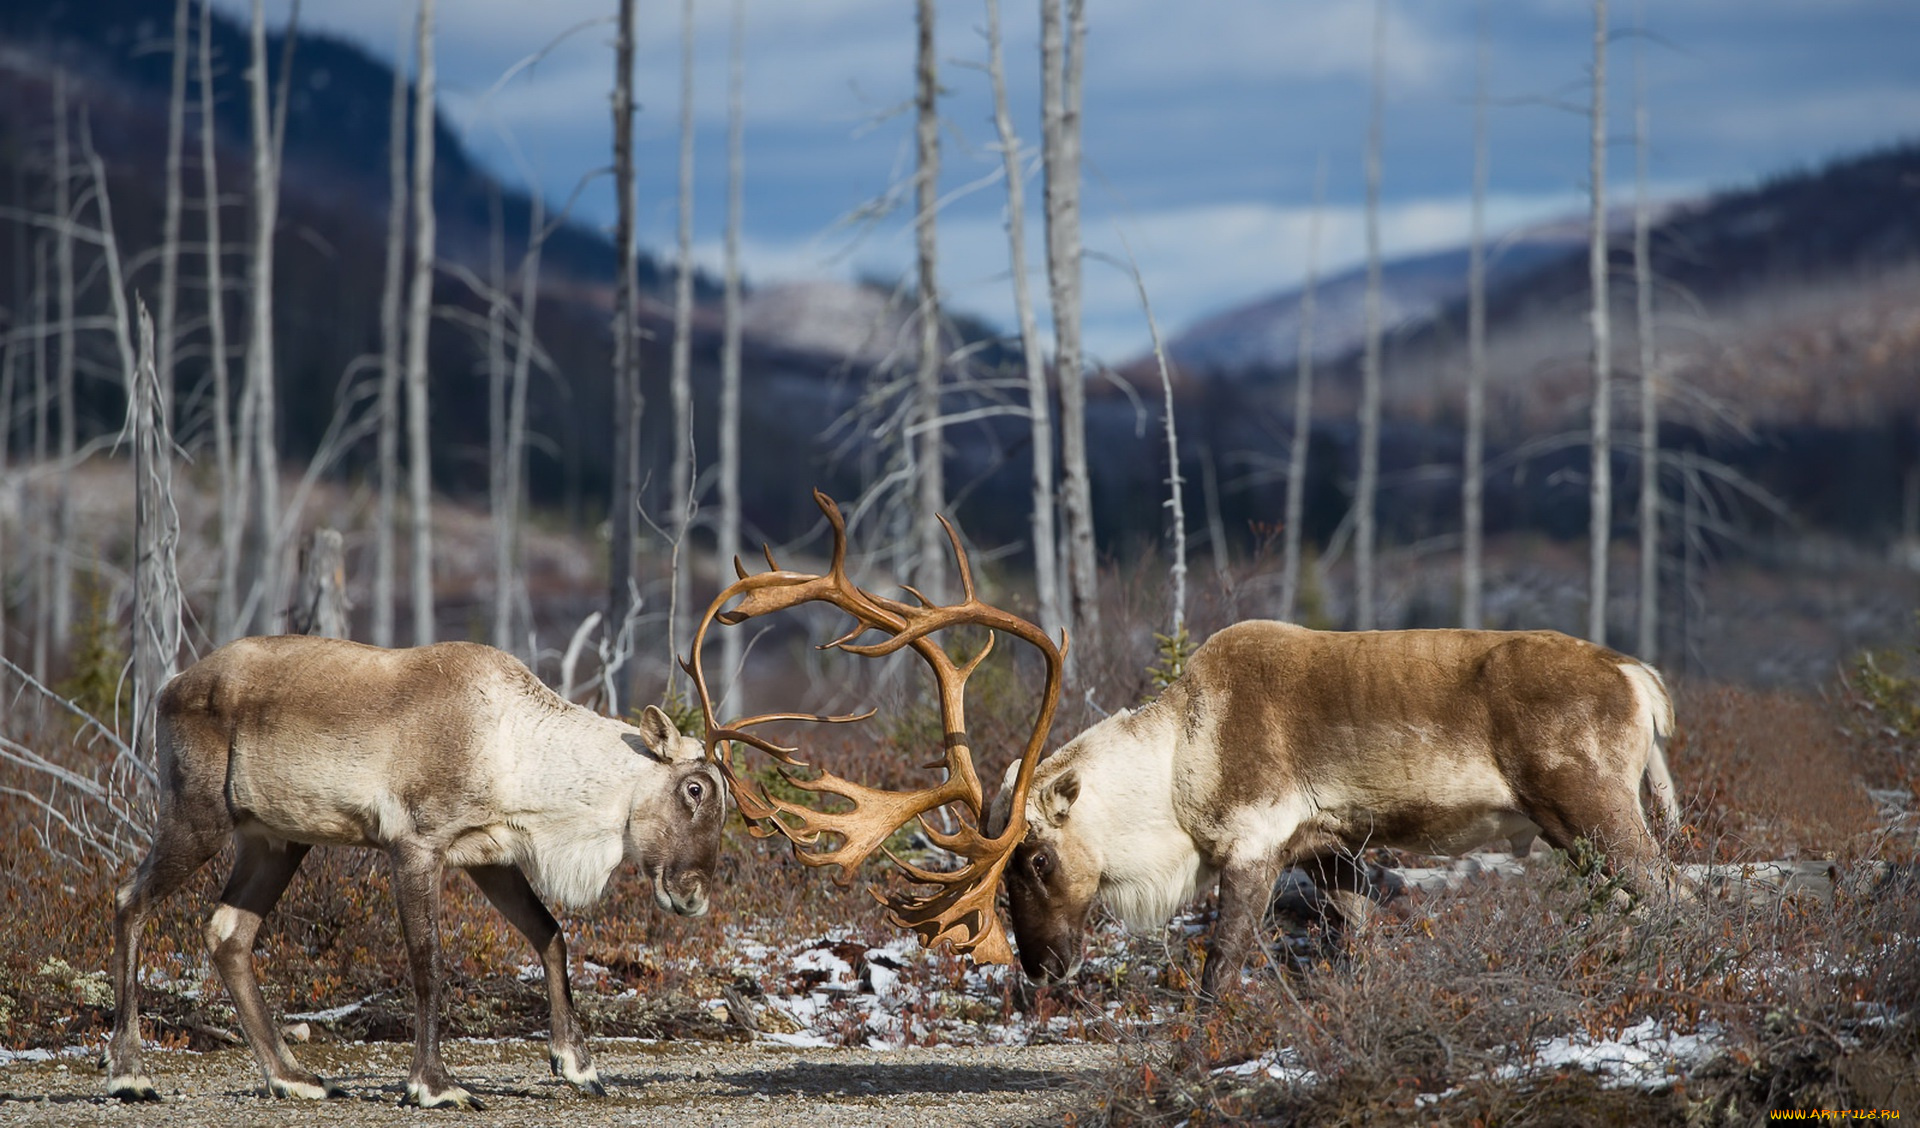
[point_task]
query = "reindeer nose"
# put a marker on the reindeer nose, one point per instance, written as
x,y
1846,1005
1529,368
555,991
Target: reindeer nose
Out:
x,y
691,898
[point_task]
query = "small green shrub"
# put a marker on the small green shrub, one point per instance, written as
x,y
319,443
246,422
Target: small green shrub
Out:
x,y
97,680
1885,685
1171,653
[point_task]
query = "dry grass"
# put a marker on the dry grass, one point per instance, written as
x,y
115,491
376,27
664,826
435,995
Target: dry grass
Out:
x,y
1427,1017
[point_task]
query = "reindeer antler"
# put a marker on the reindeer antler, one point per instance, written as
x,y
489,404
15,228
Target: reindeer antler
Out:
x,y
960,911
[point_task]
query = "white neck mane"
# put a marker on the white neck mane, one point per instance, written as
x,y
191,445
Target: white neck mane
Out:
x,y
1149,865
577,781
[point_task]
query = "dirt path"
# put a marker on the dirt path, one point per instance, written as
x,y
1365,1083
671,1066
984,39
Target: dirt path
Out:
x,y
679,1084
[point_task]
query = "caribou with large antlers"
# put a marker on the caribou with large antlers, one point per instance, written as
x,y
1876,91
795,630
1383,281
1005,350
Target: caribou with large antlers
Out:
x,y
1283,746
447,755
959,911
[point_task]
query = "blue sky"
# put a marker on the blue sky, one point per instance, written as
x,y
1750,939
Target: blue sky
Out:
x,y
1205,122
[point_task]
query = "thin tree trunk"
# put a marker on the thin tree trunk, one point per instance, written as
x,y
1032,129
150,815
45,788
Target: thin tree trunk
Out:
x,y
1649,635
1175,503
1368,487
1046,575
1302,405
231,481
320,608
10,360
626,344
260,367
507,565
930,557
170,221
419,312
1473,474
1600,502
156,537
42,559
63,552
1060,64
499,484
680,502
387,440
728,537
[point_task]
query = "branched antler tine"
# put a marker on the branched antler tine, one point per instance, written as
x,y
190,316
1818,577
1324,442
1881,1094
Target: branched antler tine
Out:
x,y
767,551
973,663
739,568
779,752
960,908
960,557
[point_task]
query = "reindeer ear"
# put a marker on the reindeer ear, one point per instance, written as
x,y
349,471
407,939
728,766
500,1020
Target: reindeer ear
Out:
x,y
658,731
1057,798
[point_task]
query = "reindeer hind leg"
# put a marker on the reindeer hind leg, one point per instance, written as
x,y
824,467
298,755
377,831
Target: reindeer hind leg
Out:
x,y
262,868
181,845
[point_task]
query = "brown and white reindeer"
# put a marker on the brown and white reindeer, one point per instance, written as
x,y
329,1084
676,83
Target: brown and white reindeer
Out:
x,y
1283,746
1278,746
447,755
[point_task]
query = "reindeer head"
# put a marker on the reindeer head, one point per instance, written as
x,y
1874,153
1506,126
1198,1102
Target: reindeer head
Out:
x,y
678,844
959,910
1052,879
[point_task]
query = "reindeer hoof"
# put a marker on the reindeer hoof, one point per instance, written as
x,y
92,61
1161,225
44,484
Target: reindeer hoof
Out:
x,y
137,1088
453,1096
304,1088
583,1077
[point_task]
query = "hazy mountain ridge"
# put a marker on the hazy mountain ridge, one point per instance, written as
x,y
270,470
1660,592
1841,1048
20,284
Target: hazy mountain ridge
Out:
x,y
1785,300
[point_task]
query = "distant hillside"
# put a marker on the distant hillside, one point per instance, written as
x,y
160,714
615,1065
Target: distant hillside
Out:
x,y
339,103
1265,334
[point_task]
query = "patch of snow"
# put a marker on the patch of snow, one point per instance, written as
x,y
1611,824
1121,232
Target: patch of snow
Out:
x,y
331,1014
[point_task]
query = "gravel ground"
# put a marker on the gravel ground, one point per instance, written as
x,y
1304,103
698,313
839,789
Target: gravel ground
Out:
x,y
672,1083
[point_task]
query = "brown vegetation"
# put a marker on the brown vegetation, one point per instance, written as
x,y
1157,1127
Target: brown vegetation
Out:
x,y
1428,1016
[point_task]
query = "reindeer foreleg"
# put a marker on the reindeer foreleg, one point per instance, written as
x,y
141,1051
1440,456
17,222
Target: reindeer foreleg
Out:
x,y
1246,887
416,886
567,1054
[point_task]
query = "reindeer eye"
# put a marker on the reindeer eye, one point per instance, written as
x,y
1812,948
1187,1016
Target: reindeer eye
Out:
x,y
1041,864
694,790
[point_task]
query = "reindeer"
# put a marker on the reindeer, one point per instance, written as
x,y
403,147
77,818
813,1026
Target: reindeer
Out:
x,y
1278,746
1285,746
447,755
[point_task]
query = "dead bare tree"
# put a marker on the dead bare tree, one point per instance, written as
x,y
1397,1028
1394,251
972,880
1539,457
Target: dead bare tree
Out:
x,y
320,607
623,533
42,559
1063,29
727,537
1302,404
1600,497
930,562
1473,474
64,282
680,378
510,482
10,362
1175,503
1046,574
387,440
158,626
1648,644
259,412
1368,486
419,313
170,218
231,480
